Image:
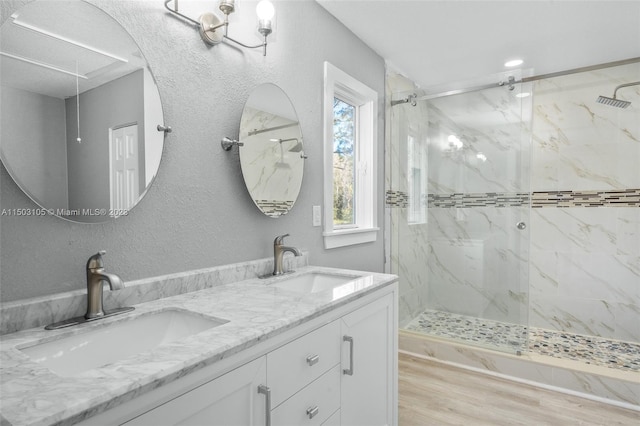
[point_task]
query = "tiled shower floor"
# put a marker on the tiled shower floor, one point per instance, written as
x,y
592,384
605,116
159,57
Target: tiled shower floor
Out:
x,y
511,337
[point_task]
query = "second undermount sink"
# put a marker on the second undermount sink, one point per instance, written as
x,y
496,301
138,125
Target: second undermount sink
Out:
x,y
313,282
77,353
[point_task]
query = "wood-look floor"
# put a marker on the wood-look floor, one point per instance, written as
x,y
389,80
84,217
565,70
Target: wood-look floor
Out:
x,y
432,393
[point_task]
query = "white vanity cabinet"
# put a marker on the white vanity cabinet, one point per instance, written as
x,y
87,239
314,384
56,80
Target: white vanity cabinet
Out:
x,y
336,369
369,364
231,399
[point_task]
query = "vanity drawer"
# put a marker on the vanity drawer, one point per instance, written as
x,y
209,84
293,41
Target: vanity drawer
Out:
x,y
294,365
334,420
312,405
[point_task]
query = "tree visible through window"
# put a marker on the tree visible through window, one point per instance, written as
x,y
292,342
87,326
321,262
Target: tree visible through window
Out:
x,y
344,137
350,113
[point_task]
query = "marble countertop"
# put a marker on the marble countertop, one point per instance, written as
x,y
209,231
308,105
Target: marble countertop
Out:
x,y
31,394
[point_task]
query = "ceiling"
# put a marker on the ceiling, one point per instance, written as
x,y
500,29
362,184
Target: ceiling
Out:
x,y
45,44
450,43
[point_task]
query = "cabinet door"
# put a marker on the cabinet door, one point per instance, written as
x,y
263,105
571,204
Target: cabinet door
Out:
x,y
369,364
231,399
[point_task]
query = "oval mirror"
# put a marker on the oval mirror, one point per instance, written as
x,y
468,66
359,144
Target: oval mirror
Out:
x,y
272,155
80,111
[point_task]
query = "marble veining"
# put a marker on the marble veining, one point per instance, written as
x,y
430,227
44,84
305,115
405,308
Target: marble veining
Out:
x,y
255,311
576,266
44,310
272,156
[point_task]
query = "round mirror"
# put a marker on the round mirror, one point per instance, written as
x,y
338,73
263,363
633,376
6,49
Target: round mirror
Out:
x,y
272,155
80,111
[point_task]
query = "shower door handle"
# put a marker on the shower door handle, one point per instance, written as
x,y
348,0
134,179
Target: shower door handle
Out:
x,y
521,225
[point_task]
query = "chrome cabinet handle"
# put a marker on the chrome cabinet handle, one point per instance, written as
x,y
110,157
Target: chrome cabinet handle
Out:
x,y
313,359
349,371
311,412
267,393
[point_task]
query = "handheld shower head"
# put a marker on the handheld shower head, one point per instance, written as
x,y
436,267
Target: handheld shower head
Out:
x,y
615,102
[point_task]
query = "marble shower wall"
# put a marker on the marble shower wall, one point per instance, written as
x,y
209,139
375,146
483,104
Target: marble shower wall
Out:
x,y
408,232
478,187
455,250
585,260
576,161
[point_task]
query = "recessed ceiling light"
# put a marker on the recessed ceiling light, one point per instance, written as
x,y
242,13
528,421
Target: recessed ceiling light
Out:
x,y
513,63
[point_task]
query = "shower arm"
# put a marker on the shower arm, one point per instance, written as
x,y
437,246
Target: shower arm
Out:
x,y
635,83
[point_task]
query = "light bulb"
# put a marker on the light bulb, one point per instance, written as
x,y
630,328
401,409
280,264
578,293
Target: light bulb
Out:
x,y
265,10
513,63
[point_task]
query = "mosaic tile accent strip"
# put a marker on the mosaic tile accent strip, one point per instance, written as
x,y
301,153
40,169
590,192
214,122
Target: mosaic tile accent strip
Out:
x,y
540,199
398,199
619,198
484,199
274,207
512,337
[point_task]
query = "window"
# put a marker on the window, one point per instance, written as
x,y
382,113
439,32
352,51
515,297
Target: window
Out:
x,y
344,178
350,170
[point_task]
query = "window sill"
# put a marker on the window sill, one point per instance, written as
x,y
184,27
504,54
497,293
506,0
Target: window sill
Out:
x,y
349,237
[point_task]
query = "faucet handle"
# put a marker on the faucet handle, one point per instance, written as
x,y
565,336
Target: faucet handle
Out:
x,y
95,261
279,239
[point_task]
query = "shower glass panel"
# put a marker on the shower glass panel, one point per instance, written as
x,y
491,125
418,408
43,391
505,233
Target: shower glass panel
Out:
x,y
459,191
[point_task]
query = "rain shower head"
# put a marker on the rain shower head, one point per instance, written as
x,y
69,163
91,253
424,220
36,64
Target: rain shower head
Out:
x,y
614,102
297,147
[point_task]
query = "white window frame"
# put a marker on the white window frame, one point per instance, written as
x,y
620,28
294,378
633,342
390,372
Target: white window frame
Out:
x,y
339,84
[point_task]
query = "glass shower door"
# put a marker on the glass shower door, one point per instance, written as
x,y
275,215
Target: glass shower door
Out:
x,y
463,246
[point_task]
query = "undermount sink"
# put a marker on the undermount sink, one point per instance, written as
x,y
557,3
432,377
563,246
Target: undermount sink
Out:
x,y
74,354
313,282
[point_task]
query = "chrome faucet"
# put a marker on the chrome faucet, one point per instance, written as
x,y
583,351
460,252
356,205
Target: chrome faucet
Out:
x,y
96,278
278,253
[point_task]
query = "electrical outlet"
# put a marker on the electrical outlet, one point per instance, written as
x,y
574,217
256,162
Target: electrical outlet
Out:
x,y
317,216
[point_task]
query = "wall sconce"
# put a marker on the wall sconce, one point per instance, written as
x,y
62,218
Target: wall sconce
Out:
x,y
213,29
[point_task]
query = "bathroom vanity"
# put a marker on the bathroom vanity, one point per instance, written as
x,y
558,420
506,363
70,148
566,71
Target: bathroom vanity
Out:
x,y
318,346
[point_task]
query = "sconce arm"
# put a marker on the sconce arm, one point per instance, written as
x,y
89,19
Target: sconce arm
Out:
x,y
263,44
208,23
175,12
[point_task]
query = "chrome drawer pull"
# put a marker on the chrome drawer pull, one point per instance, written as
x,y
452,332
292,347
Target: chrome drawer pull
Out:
x,y
313,359
267,393
349,371
311,412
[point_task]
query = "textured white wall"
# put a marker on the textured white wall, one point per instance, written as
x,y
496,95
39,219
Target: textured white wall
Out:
x,y
198,213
